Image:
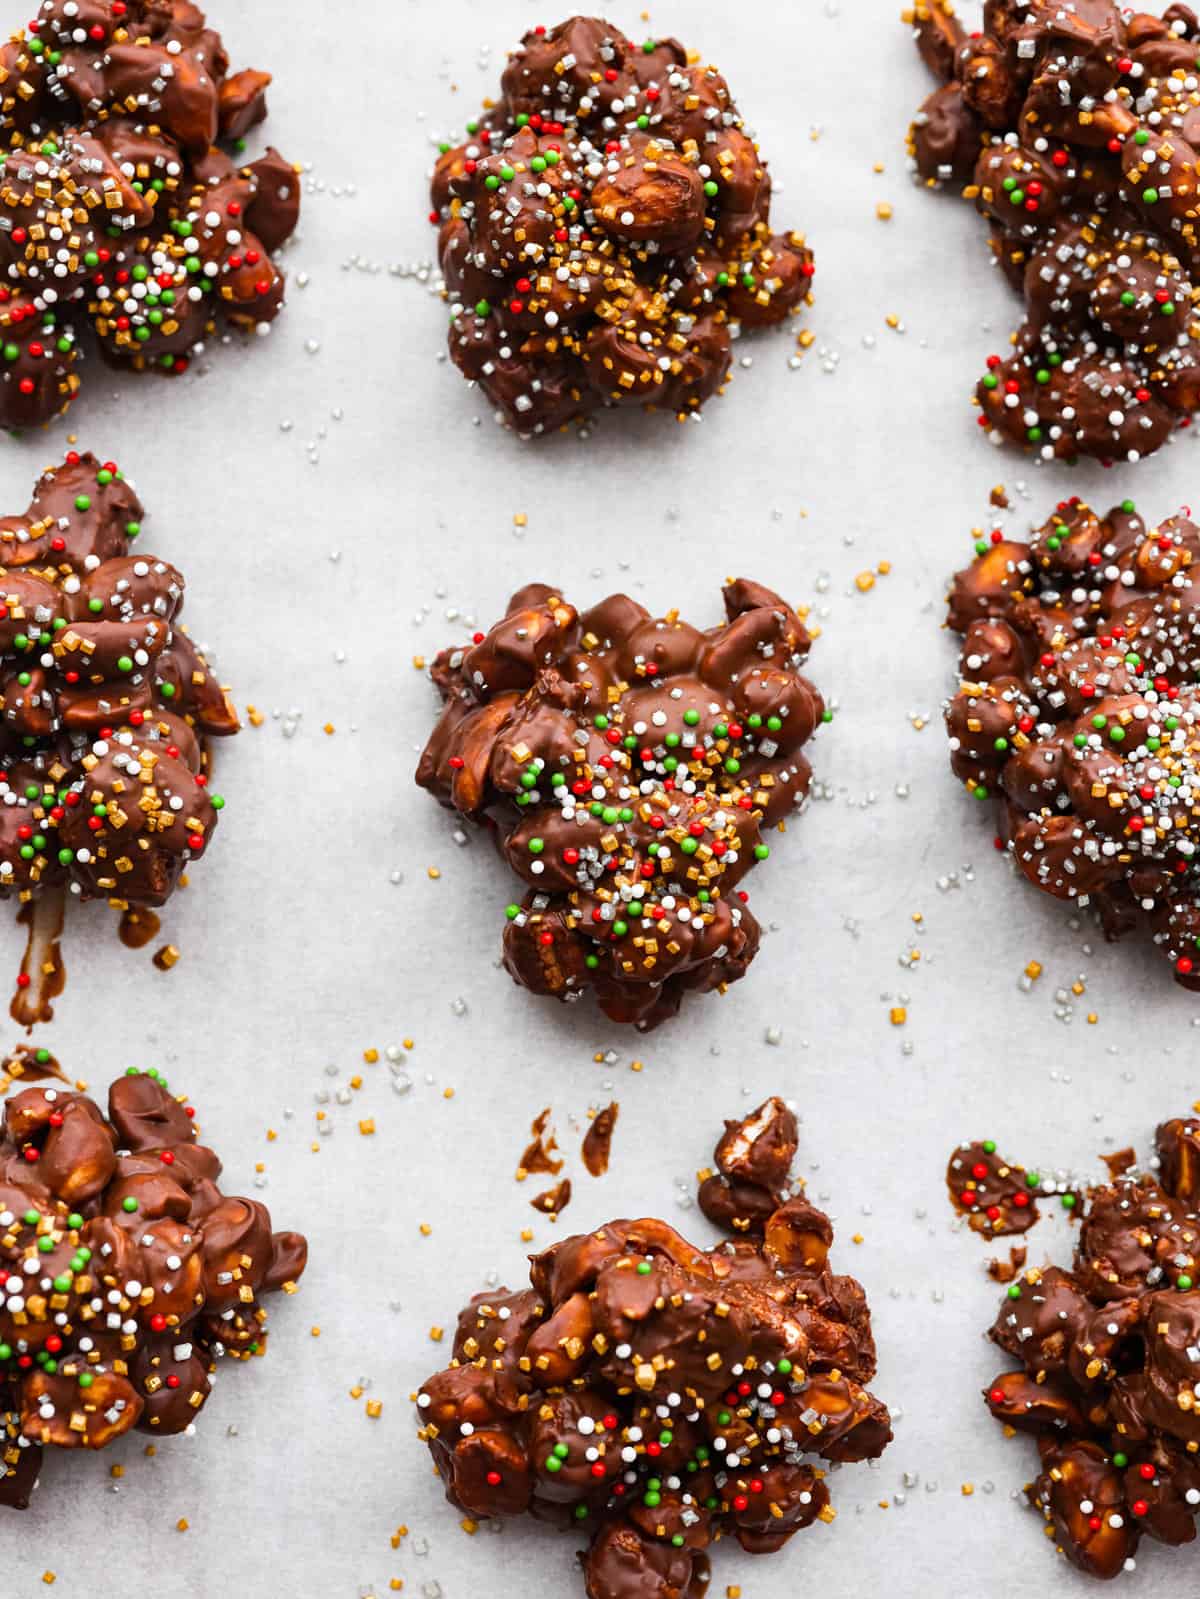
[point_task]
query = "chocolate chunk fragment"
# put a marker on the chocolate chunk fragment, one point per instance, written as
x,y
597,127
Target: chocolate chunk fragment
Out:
x,y
1077,712
121,1212
597,1141
628,769
1004,1271
657,1396
605,230
553,1199
125,226
540,1155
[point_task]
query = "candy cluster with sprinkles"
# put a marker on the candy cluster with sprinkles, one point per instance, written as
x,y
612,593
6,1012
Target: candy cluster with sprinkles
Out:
x,y
606,231
125,1272
1109,1353
106,703
629,768
996,1196
654,1396
1075,128
1077,713
118,209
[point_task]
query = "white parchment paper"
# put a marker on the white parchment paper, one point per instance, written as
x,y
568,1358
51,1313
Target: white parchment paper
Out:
x,y
340,504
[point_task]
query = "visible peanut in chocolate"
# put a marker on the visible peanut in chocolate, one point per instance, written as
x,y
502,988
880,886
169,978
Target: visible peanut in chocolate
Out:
x,y
1107,1354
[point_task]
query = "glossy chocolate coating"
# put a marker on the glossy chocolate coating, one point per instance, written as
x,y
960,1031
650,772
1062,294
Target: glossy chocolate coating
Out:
x,y
1074,126
604,231
118,210
629,768
1077,711
125,1272
656,1396
1108,1352
106,705
753,1158
996,1196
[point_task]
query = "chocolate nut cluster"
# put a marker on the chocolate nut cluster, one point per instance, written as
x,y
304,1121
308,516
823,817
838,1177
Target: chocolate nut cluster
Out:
x,y
1077,710
658,1397
1075,127
106,703
125,1272
118,210
628,768
606,231
1108,1355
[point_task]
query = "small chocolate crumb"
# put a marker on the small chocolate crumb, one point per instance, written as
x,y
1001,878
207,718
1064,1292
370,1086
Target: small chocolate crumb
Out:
x,y
539,1154
1004,1271
554,1199
597,1141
